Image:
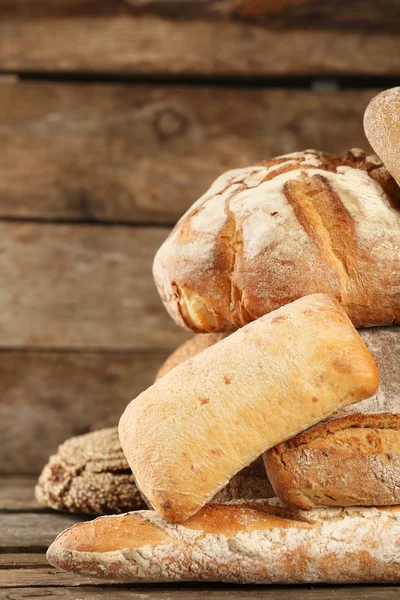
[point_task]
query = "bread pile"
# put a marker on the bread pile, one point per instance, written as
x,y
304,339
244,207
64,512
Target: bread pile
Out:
x,y
286,257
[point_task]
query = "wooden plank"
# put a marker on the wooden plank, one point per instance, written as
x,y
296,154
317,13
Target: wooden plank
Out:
x,y
47,397
82,287
284,13
33,532
142,153
205,591
41,576
121,42
16,494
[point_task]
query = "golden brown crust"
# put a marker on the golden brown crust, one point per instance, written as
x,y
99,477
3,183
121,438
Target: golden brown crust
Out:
x,y
352,461
382,128
265,235
188,349
245,543
217,412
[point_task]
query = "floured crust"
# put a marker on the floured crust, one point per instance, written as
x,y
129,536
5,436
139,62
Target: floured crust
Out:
x,y
382,128
350,461
246,543
267,234
217,412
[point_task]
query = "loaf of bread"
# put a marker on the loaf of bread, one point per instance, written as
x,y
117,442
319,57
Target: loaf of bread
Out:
x,y
308,470
384,344
353,461
189,433
248,543
89,474
265,235
188,349
382,128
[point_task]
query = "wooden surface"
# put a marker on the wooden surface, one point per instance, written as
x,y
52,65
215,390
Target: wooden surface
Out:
x,y
47,397
137,38
82,287
27,531
144,154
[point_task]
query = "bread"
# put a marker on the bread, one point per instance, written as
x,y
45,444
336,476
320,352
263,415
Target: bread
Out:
x,y
188,349
267,234
89,474
189,433
353,461
251,483
308,470
248,543
382,128
384,343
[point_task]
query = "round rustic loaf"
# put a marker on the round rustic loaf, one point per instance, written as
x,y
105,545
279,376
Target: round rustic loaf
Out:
x,y
89,474
382,128
265,235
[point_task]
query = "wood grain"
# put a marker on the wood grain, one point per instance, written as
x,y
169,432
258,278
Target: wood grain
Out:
x,y
122,42
16,494
198,592
47,397
33,532
144,154
81,287
284,13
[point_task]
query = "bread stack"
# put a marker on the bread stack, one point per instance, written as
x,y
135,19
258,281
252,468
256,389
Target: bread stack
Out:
x,y
286,257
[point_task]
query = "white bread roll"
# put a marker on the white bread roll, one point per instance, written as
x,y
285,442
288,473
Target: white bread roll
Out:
x,y
265,235
189,433
249,543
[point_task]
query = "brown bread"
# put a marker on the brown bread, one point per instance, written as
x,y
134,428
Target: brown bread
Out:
x,y
267,234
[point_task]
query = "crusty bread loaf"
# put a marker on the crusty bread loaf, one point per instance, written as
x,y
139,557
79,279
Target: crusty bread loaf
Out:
x,y
251,482
308,470
382,128
188,349
189,433
353,461
248,543
265,235
89,474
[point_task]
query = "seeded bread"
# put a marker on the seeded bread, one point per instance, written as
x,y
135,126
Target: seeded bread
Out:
x,y
89,474
267,234
249,543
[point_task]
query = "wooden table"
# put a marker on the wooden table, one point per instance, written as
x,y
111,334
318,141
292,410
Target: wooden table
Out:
x,y
27,530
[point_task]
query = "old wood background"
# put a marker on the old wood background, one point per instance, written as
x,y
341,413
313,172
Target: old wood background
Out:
x,y
114,117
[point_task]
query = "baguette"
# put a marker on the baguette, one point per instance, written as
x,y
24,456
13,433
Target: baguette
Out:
x,y
188,434
267,234
353,461
249,543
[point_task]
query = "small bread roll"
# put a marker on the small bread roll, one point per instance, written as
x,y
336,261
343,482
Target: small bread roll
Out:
x,y
382,128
